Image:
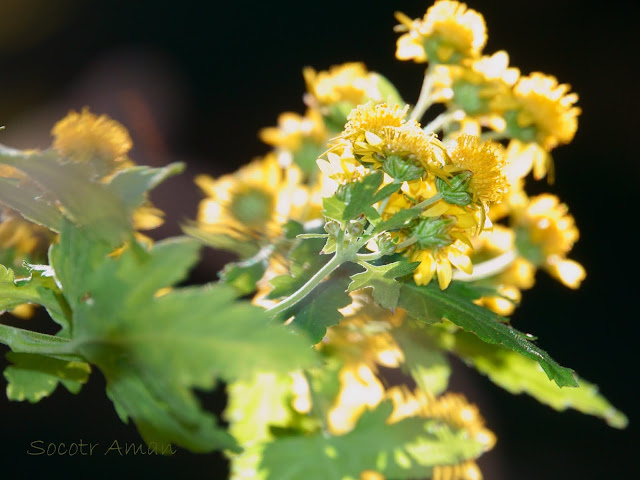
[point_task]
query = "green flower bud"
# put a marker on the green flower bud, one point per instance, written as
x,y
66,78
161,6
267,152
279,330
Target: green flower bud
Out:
x,y
402,169
432,232
332,227
456,189
386,244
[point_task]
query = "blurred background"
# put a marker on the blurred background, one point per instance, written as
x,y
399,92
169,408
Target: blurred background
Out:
x,y
194,81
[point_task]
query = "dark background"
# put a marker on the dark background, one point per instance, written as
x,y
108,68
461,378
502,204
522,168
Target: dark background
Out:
x,y
194,81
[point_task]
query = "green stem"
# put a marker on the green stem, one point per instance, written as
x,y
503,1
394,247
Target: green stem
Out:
x,y
337,260
429,201
368,257
424,99
442,120
493,136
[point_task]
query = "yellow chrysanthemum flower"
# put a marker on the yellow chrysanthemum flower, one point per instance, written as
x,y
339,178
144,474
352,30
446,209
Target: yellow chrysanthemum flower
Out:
x,y
452,408
448,33
541,111
84,137
438,262
474,86
294,129
348,82
488,182
552,232
254,201
377,131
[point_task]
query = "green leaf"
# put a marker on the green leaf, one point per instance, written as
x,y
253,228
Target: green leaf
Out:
x,y
164,413
27,201
403,450
319,310
518,374
245,275
73,259
85,201
352,198
386,290
131,185
430,304
153,350
38,288
398,220
33,377
304,260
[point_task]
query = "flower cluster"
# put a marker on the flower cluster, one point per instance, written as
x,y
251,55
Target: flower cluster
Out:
x,y
455,206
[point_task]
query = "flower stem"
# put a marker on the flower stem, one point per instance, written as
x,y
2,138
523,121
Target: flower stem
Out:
x,y
489,268
337,260
424,99
442,120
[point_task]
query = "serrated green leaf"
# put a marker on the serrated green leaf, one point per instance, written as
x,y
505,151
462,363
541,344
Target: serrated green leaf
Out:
x,y
33,377
189,334
357,196
131,184
164,413
430,304
87,202
386,290
319,310
38,289
518,374
403,450
398,220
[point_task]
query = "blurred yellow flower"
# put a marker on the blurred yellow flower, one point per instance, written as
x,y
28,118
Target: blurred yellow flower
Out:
x,y
542,110
348,82
448,33
552,231
85,137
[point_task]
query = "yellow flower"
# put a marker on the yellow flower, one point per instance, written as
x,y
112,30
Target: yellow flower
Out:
x,y
254,201
474,86
85,137
294,129
552,232
348,82
448,33
488,182
542,110
23,236
451,408
377,131
438,262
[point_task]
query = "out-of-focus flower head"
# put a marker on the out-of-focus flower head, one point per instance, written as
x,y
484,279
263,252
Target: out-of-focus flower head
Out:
x,y
337,91
87,138
541,110
546,233
254,201
448,33
297,139
474,86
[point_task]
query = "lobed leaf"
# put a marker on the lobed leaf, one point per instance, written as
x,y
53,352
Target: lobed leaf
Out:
x,y
430,304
